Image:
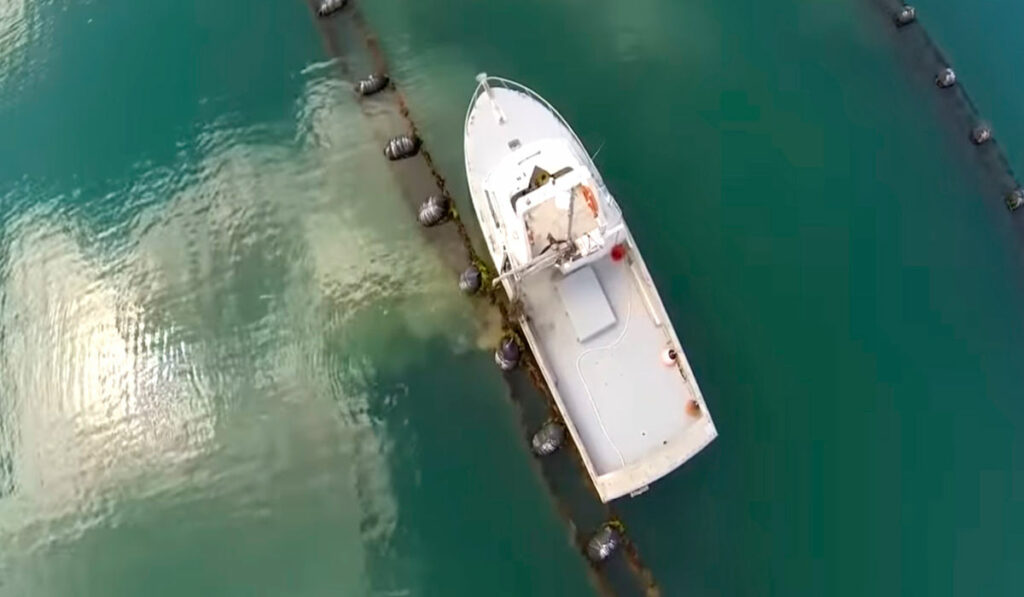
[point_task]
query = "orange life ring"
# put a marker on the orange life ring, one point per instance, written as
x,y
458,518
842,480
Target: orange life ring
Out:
x,y
588,196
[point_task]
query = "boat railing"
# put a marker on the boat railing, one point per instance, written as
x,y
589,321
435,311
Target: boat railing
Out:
x,y
487,82
535,265
562,255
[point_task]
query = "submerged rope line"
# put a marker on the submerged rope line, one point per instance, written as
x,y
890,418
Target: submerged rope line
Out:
x,y
958,106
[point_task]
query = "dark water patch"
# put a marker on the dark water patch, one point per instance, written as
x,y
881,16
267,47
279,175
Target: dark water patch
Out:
x,y
957,113
467,546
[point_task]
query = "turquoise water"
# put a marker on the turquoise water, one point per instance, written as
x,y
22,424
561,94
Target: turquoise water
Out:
x,y
987,54
232,365
850,300
227,350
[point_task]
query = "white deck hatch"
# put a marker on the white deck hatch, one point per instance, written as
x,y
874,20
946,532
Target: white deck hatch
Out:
x,y
586,303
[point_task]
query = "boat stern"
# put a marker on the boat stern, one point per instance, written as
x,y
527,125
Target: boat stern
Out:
x,y
634,479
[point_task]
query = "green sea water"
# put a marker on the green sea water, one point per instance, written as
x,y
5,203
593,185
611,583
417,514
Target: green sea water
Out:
x,y
231,364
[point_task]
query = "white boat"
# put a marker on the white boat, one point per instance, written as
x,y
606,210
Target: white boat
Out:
x,y
587,305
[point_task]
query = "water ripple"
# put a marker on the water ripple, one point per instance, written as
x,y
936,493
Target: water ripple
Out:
x,y
142,348
21,27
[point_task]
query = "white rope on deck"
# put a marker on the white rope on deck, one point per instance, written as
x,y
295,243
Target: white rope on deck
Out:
x,y
593,403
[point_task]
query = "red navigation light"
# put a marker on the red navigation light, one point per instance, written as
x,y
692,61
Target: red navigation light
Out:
x,y
618,252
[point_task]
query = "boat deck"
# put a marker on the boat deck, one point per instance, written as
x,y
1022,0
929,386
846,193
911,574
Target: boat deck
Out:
x,y
624,401
599,333
547,222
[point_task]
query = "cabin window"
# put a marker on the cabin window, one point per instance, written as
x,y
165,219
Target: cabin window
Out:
x,y
490,208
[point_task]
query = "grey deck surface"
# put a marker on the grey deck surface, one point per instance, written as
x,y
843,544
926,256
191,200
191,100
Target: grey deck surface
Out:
x,y
623,400
585,303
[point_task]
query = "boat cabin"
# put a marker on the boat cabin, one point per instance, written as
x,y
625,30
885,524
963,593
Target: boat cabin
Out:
x,y
547,202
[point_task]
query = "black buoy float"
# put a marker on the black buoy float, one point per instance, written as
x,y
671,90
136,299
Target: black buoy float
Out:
x,y
434,210
905,16
945,78
981,134
471,279
402,146
603,544
1015,199
329,7
372,84
548,439
507,354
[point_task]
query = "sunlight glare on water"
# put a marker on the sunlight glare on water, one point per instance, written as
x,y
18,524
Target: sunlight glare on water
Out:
x,y
143,355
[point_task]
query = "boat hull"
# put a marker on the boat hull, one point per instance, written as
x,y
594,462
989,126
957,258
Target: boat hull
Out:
x,y
600,334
